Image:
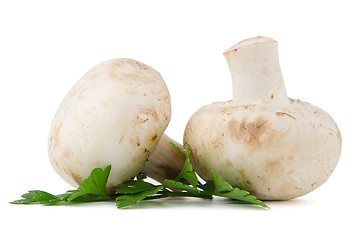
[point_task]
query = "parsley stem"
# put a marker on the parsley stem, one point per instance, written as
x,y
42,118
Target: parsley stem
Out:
x,y
178,194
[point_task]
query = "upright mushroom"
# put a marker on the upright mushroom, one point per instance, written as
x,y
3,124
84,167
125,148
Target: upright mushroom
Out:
x,y
262,141
114,115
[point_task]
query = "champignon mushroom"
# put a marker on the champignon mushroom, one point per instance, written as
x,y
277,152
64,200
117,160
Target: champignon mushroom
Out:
x,y
164,162
114,115
262,141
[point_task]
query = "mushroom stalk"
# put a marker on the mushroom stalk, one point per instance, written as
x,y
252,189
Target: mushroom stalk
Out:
x,y
164,162
255,71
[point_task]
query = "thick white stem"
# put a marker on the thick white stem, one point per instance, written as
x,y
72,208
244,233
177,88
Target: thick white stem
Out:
x,y
255,71
164,162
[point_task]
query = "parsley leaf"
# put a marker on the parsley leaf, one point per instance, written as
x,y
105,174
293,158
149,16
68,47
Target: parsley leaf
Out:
x,y
134,191
186,190
187,171
179,152
224,189
130,199
94,187
135,186
37,196
180,186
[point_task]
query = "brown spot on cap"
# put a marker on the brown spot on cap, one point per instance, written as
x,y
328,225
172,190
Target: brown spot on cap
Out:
x,y
140,120
284,114
147,153
55,138
228,163
274,167
142,66
248,132
216,142
150,113
67,153
154,137
242,173
135,141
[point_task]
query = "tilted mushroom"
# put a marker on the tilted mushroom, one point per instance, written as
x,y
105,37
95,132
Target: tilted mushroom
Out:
x,y
164,162
262,141
114,115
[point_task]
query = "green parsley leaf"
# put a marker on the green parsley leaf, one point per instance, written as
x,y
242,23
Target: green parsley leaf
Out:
x,y
37,197
224,189
134,191
179,152
187,171
180,186
130,199
135,186
94,187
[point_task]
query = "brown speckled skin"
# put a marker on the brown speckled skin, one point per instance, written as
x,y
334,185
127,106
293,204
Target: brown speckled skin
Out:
x,y
276,152
114,115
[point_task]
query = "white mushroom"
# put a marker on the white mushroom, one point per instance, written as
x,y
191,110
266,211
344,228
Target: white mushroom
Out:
x,y
164,162
262,141
114,115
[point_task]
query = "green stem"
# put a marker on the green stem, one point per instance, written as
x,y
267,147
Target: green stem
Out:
x,y
178,194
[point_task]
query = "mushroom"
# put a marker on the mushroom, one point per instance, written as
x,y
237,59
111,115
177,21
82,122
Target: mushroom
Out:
x,y
275,147
164,162
114,115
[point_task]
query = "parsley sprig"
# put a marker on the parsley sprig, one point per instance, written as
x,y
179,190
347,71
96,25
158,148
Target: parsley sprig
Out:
x,y
186,184
93,189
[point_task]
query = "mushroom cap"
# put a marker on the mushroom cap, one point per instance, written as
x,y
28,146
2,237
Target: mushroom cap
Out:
x,y
114,115
276,152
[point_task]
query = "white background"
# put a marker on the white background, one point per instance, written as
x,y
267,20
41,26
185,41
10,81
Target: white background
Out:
x,y
46,46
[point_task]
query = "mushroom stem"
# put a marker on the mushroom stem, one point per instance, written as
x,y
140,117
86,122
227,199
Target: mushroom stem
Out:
x,y
255,71
164,163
